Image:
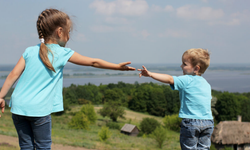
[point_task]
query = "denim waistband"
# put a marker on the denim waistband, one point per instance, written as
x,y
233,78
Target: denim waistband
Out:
x,y
197,119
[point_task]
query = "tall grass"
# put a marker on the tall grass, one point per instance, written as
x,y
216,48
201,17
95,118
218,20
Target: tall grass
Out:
x,y
61,134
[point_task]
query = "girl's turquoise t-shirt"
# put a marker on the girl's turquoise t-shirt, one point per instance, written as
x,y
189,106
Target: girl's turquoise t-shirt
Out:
x,y
39,90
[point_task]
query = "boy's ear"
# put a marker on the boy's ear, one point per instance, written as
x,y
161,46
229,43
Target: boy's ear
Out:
x,y
197,69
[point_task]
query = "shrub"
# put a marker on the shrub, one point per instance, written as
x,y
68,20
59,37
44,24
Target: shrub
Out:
x,y
89,111
172,122
104,133
160,135
148,125
113,125
79,121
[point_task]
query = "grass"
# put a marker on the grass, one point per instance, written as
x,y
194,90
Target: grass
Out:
x,y
61,134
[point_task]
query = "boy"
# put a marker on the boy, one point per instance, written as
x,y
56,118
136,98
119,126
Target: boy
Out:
x,y
195,97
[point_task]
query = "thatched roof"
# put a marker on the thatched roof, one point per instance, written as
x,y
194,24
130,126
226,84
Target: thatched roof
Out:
x,y
128,128
231,132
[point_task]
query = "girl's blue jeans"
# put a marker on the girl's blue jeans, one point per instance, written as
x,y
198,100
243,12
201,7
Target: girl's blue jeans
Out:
x,y
33,132
196,134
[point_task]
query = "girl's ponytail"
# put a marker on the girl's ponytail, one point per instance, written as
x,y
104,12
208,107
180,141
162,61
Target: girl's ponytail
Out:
x,y
43,53
45,31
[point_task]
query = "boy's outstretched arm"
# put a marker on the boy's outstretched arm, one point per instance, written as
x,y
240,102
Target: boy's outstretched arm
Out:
x,y
98,63
165,78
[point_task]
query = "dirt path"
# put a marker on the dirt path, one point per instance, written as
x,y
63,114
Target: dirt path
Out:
x,y
14,142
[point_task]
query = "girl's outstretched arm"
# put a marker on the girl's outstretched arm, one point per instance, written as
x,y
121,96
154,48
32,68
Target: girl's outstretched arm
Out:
x,y
165,78
10,80
98,63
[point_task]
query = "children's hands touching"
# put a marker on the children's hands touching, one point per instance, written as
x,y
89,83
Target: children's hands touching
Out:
x,y
124,67
144,72
2,105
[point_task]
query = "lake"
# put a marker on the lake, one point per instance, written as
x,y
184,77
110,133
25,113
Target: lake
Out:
x,y
222,79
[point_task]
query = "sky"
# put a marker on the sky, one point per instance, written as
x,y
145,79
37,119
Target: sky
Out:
x,y
140,31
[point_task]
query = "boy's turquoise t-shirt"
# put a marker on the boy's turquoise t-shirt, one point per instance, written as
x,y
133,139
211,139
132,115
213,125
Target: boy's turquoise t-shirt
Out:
x,y
39,90
195,97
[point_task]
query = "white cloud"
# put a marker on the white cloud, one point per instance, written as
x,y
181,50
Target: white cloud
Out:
x,y
116,20
242,16
234,19
156,8
81,37
103,28
145,34
169,8
205,1
174,33
123,7
202,13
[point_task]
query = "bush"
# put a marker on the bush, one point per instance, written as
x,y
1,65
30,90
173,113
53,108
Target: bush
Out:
x,y
89,111
113,125
160,135
148,125
79,121
172,122
104,133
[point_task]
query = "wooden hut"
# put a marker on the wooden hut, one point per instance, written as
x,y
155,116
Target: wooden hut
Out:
x,y
235,134
130,130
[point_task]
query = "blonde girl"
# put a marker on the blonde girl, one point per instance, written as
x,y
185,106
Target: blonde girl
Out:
x,y
38,92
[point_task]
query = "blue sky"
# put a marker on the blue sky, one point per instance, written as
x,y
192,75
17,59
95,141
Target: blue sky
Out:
x,y
140,31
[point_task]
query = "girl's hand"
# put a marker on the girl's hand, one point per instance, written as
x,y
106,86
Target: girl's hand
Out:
x,y
2,105
144,72
124,67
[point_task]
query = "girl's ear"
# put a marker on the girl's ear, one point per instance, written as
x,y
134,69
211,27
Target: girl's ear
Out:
x,y
59,32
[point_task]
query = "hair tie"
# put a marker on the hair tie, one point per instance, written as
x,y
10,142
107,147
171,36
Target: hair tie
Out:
x,y
42,40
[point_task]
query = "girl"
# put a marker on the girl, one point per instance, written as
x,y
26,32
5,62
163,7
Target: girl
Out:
x,y
39,89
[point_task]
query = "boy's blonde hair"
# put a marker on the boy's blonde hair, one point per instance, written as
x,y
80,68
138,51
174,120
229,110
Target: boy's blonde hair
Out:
x,y
198,56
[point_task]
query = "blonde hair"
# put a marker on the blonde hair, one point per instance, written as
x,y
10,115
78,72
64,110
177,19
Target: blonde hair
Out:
x,y
48,21
198,56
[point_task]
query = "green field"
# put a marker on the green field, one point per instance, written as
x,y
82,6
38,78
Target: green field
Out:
x,y
61,134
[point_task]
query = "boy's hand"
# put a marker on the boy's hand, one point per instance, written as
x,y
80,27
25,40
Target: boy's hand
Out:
x,y
2,105
144,72
124,67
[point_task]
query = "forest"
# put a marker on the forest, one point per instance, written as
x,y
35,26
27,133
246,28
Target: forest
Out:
x,y
154,99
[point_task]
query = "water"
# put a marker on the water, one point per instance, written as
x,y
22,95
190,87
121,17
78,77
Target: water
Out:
x,y
220,80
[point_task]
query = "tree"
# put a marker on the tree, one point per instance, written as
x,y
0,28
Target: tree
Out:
x,y
70,94
245,107
89,111
228,107
113,110
157,105
160,135
172,100
89,92
172,122
79,121
148,125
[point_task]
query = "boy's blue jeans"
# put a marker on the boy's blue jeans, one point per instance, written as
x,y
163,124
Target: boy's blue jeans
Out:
x,y
33,132
196,134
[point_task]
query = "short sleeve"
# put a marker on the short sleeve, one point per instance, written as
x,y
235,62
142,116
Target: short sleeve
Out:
x,y
179,82
65,55
25,54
